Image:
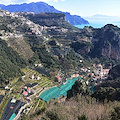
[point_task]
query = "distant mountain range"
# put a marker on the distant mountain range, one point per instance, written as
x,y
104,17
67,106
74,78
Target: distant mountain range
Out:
x,y
43,7
103,18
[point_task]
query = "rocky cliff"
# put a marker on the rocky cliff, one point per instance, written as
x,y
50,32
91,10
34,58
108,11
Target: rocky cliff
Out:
x,y
106,42
46,19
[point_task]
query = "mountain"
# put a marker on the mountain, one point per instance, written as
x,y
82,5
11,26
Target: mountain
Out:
x,y
43,7
46,43
107,42
102,42
36,38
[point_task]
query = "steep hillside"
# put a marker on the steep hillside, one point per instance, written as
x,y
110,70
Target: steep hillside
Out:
x,y
12,29
42,38
10,63
47,19
114,72
43,7
107,42
104,42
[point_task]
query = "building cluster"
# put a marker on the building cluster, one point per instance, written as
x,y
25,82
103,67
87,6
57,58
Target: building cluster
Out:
x,y
27,89
35,77
100,72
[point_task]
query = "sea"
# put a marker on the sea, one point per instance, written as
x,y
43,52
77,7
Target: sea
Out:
x,y
98,24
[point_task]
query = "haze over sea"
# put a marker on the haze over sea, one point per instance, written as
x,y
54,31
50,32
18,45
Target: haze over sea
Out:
x,y
98,21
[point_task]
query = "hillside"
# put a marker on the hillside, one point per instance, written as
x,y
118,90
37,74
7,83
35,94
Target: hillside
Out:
x,y
41,38
110,88
10,64
104,42
63,45
43,7
37,49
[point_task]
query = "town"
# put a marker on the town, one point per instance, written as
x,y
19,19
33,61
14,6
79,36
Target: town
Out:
x,y
24,93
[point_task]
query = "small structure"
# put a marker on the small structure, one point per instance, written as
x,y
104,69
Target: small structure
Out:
x,y
25,87
29,90
32,77
105,71
13,100
25,93
77,75
38,78
81,61
58,79
6,87
11,107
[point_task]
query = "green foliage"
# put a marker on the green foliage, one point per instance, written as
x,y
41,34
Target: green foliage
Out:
x,y
115,115
82,117
77,88
3,104
53,115
81,47
10,63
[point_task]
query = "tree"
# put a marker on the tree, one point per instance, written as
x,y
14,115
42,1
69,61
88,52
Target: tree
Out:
x,y
82,117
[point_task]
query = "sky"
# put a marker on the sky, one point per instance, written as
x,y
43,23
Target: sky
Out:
x,y
78,7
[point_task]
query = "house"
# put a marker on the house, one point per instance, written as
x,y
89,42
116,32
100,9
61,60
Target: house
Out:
x,y
25,93
105,71
13,100
36,65
6,87
38,78
32,77
34,84
81,61
77,75
72,76
39,65
11,107
25,87
29,90
58,78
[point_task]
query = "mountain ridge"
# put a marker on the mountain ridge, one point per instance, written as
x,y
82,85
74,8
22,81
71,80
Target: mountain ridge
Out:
x,y
43,7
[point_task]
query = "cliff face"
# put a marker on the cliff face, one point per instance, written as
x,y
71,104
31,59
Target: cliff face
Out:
x,y
114,72
47,19
106,42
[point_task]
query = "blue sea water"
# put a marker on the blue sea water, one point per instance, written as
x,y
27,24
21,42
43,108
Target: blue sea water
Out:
x,y
97,24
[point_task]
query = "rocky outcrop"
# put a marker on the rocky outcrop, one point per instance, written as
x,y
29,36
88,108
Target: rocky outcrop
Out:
x,y
106,42
47,19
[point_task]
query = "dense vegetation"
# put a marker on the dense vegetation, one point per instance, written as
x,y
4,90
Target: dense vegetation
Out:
x,y
10,63
78,108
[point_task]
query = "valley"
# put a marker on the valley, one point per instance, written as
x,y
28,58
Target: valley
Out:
x,y
40,52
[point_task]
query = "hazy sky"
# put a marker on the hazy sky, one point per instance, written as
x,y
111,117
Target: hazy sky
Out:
x,y
79,7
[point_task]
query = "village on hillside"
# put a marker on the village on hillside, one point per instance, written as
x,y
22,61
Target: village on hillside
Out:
x,y
24,93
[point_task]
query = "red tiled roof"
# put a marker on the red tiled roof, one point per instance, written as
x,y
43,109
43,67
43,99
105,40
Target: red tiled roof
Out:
x,y
11,107
24,93
58,77
28,88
